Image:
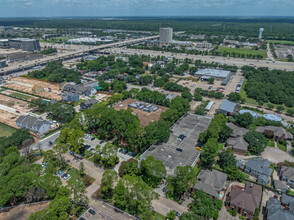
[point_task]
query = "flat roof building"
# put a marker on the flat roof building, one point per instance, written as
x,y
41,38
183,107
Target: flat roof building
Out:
x,y
224,75
4,43
166,35
25,44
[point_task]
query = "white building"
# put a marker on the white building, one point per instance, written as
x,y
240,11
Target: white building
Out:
x,y
166,35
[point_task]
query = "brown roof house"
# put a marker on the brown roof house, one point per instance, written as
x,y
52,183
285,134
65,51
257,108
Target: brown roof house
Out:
x,y
211,182
246,200
236,141
277,133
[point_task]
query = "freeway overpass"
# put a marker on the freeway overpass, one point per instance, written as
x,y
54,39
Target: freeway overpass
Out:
x,y
67,56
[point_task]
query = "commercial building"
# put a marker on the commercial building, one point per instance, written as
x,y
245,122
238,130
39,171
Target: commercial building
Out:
x,y
166,35
25,44
4,43
227,107
223,75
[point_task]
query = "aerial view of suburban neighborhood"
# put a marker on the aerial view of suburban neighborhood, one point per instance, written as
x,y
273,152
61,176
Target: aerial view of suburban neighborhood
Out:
x,y
152,110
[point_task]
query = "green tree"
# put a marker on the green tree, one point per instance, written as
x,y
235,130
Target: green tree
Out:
x,y
82,169
257,142
109,177
226,158
186,94
78,193
171,215
235,96
244,120
210,80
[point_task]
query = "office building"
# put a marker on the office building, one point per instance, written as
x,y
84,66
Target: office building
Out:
x,y
166,35
4,43
25,44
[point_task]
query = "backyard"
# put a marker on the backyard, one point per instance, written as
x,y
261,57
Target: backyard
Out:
x,y
5,130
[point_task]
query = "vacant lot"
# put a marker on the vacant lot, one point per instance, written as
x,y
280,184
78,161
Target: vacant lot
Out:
x,y
242,51
14,103
5,130
144,117
286,42
23,212
8,118
27,85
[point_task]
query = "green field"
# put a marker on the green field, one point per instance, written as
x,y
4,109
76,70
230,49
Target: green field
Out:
x,y
5,131
244,51
20,96
286,42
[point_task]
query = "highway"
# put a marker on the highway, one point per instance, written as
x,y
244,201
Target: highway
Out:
x,y
82,51
222,60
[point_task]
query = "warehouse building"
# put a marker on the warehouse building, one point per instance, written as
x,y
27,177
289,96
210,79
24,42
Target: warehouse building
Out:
x,y
25,44
223,75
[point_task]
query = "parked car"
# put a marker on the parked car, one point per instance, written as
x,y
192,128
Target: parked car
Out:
x,y
101,142
59,173
66,176
177,213
92,139
92,211
124,151
17,111
132,154
50,143
69,169
81,218
87,147
92,149
44,165
210,87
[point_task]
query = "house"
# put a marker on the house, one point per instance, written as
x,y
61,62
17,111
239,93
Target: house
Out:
x,y
81,90
287,174
211,182
280,185
228,107
287,201
70,97
259,168
246,200
88,103
275,211
2,81
277,133
238,144
34,124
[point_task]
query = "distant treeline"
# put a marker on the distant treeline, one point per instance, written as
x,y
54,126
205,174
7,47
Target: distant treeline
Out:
x,y
274,28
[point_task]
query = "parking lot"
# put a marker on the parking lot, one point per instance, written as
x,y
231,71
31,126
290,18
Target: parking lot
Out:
x,y
180,150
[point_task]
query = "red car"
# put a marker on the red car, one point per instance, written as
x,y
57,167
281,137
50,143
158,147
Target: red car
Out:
x,y
17,111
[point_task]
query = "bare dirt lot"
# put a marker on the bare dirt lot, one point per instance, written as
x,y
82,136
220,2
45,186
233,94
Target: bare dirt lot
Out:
x,y
8,118
144,117
14,103
23,212
50,90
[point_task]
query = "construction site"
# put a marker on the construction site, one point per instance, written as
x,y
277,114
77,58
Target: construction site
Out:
x,y
141,110
34,86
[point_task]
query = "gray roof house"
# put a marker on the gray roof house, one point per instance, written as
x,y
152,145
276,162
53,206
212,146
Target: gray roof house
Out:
x,y
36,125
237,131
88,103
280,185
81,90
278,133
274,211
287,174
287,200
227,107
211,182
70,97
239,145
259,168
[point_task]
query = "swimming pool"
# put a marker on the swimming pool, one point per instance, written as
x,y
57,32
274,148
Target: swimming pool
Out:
x,y
220,195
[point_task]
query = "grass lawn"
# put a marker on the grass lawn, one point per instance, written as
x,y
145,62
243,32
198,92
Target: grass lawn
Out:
x,y
157,216
79,102
1,90
20,96
291,193
281,42
244,51
282,147
220,146
270,143
6,131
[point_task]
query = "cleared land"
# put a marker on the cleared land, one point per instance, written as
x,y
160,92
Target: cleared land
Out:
x,y
286,42
244,51
23,212
34,86
144,117
191,126
5,131
14,103
8,118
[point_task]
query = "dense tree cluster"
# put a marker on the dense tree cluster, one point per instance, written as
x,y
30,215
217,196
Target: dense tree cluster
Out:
x,y
49,51
174,87
17,139
55,72
257,142
202,92
264,85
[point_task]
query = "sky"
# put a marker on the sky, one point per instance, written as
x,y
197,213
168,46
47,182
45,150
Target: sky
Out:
x,y
116,8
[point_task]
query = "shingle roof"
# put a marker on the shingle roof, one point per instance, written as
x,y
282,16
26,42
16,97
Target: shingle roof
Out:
x,y
211,181
280,184
237,131
285,199
288,172
278,131
275,211
248,198
238,143
259,165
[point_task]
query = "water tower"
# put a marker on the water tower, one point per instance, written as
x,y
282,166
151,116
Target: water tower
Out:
x,y
260,33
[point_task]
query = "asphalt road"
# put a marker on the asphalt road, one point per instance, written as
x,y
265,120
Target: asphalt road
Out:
x,y
224,60
44,143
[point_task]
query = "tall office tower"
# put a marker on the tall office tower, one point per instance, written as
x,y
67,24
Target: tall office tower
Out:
x,y
260,33
166,35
